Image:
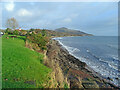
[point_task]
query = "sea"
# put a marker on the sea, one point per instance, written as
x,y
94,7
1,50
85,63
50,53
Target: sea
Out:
x,y
99,52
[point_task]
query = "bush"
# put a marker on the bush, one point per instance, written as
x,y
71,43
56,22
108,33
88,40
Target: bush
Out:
x,y
38,39
8,31
22,32
43,32
16,32
31,30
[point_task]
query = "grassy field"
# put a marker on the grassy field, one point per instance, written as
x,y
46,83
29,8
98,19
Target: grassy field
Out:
x,y
22,67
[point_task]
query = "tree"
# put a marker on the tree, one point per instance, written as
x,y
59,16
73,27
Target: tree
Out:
x,y
12,23
8,31
31,29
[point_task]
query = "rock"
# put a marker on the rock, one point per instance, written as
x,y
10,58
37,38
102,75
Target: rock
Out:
x,y
90,84
117,78
110,78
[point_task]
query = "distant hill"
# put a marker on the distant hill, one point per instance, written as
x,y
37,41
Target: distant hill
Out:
x,y
71,31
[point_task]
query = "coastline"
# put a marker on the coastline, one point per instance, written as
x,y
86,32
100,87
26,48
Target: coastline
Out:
x,y
75,68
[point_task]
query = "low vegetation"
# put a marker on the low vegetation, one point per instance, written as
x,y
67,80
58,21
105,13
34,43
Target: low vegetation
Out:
x,y
38,39
22,67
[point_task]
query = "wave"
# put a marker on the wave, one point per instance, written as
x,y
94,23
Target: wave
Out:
x,y
104,71
57,38
110,64
70,49
113,66
115,57
88,51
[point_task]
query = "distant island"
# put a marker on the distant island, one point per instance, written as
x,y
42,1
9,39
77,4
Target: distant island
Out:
x,y
71,31
63,32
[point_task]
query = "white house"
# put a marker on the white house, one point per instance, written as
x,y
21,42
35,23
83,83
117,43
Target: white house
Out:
x,y
20,28
1,33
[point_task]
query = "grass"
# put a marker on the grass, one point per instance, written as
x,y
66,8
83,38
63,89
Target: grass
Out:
x,y
65,85
0,63
21,67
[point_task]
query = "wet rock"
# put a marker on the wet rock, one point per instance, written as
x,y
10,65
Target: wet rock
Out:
x,y
90,84
117,78
110,78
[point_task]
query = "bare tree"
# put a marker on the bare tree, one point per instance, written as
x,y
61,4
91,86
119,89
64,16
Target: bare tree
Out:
x,y
12,23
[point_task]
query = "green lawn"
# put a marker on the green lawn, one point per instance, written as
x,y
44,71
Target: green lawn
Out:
x,y
21,67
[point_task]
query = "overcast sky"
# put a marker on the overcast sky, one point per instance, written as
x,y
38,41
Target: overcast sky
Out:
x,y
98,18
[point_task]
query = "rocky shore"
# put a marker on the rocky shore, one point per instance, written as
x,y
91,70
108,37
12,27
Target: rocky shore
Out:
x,y
78,73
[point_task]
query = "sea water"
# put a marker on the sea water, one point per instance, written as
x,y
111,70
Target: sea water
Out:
x,y
98,52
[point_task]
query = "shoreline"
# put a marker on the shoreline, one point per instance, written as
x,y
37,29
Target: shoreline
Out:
x,y
66,59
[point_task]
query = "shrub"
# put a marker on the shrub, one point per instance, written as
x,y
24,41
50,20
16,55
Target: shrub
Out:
x,y
43,32
22,32
38,39
16,32
31,30
8,31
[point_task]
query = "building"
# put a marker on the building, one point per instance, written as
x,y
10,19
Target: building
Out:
x,y
20,29
1,33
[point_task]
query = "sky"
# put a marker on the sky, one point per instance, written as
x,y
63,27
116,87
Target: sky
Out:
x,y
97,18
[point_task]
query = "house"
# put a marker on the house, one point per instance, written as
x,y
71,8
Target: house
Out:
x,y
19,29
1,33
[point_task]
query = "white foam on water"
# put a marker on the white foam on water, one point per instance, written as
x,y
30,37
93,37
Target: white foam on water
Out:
x,y
70,49
115,57
57,38
113,66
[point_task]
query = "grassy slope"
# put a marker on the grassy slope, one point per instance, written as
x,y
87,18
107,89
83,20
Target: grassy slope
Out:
x,y
0,63
20,64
